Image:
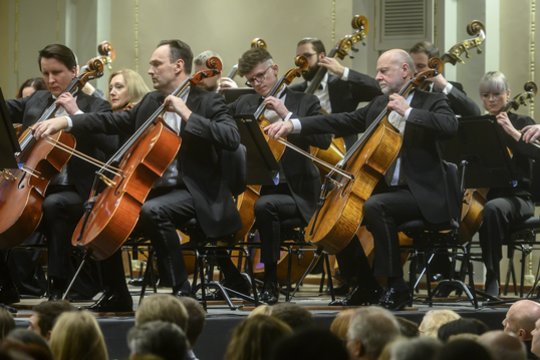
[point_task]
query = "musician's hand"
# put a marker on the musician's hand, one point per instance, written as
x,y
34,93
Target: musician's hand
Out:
x,y
332,65
398,104
177,105
504,122
277,105
439,82
68,102
531,133
279,129
227,83
49,127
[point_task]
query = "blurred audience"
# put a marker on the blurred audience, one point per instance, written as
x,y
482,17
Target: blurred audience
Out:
x,y
503,346
44,316
433,319
163,339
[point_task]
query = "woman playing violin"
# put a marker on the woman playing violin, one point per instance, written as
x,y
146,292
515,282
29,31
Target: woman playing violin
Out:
x,y
511,204
416,187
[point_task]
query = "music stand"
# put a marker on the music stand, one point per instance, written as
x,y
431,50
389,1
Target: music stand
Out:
x,y
261,165
480,143
230,95
9,144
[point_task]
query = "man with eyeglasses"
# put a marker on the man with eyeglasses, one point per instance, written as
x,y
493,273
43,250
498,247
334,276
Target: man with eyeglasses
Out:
x,y
295,191
341,89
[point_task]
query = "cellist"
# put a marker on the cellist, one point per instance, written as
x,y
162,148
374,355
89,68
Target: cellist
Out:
x,y
511,204
415,187
67,192
297,186
192,188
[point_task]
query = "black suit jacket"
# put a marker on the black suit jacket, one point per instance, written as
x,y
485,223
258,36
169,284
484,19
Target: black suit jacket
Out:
x,y
302,176
460,103
430,120
80,173
209,129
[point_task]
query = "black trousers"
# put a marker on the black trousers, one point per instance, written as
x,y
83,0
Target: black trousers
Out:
x,y
270,210
383,213
61,213
498,216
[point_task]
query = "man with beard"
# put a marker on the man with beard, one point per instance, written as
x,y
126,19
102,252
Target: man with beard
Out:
x,y
341,89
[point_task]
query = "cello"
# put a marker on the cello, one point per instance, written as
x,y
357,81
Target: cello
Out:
x,y
143,158
341,210
22,190
246,200
474,199
336,150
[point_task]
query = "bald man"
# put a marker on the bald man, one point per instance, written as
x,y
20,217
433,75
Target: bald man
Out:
x,y
520,319
503,346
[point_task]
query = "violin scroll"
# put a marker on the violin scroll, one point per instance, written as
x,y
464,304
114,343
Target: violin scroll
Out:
x,y
453,55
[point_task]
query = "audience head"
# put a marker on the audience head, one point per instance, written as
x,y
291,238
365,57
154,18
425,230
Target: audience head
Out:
x,y
503,346
422,348
164,307
311,343
371,328
421,52
535,343
463,349
394,68
520,318
255,338
163,339
7,323
293,315
30,86
340,324
259,69
263,309
433,319
126,88
196,318
28,342
494,91
313,50
461,326
44,316
58,66
68,332
170,64
408,328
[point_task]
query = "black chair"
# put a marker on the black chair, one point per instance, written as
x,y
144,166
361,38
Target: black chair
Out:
x,y
429,240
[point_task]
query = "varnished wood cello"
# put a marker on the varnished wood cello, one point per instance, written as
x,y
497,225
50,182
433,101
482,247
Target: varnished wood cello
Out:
x,y
22,190
142,160
339,217
336,151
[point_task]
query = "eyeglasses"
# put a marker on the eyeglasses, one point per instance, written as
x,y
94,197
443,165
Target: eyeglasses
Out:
x,y
259,78
308,55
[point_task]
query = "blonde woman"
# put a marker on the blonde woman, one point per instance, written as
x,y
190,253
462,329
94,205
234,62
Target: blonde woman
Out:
x,y
77,335
126,89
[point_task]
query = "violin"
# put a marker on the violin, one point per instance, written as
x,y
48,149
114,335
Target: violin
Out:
x,y
113,213
22,190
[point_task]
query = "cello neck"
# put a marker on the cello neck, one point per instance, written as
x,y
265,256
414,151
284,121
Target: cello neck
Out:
x,y
319,75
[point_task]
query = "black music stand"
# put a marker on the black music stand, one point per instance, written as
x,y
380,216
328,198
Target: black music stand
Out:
x,y
480,144
9,144
232,94
261,165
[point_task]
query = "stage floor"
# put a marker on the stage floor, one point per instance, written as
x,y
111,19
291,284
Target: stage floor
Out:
x,y
221,319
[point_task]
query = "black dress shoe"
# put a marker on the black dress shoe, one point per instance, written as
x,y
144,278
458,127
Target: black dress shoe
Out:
x,y
183,290
55,294
342,290
112,302
359,296
394,299
270,294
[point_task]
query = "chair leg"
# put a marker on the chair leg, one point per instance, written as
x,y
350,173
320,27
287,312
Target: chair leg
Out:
x,y
326,261
311,266
86,254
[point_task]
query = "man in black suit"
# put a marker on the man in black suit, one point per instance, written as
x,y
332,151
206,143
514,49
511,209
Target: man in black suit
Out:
x,y
192,187
297,187
341,89
416,185
67,192
460,103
